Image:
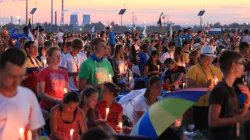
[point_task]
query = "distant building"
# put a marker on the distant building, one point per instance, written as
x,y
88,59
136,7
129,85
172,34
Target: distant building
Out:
x,y
74,20
85,19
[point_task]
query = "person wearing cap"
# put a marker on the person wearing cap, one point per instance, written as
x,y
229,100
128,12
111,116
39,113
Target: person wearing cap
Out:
x,y
194,55
203,75
24,34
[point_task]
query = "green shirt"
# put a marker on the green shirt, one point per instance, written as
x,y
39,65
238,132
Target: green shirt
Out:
x,y
96,72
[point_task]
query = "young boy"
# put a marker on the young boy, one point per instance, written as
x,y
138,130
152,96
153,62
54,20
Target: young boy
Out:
x,y
71,62
174,75
95,70
225,115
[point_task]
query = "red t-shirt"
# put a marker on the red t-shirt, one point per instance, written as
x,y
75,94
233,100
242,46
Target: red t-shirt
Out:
x,y
114,111
55,82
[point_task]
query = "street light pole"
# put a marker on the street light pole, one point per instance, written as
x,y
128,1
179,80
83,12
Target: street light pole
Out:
x,y
26,12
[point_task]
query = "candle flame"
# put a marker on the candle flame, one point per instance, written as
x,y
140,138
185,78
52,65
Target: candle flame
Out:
x,y
120,124
65,90
215,80
21,131
44,61
71,131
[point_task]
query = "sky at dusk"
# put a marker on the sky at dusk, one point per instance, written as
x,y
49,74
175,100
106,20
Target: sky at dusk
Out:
x,y
181,12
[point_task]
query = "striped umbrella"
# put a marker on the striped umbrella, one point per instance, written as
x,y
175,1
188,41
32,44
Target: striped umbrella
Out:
x,y
164,113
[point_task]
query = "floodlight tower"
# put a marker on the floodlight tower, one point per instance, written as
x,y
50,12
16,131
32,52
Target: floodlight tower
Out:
x,y
200,14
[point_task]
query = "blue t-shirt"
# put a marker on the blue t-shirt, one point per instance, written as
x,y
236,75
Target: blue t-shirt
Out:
x,y
112,38
179,42
142,61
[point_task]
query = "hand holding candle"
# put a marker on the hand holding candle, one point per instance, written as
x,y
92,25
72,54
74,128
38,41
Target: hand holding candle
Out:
x,y
107,112
158,68
21,132
244,82
71,134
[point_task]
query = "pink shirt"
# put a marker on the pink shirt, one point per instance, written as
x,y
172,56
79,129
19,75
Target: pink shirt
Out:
x,y
55,82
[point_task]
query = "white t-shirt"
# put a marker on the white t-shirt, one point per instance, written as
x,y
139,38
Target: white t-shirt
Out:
x,y
82,56
71,64
166,55
246,39
141,106
15,112
60,37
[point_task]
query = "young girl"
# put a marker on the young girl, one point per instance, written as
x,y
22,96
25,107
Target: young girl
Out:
x,y
89,98
88,103
153,65
67,116
52,80
109,93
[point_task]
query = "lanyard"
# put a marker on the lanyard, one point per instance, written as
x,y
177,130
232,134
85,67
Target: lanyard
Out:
x,y
76,61
205,72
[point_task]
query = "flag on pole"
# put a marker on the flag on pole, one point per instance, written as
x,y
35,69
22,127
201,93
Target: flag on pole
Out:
x,y
30,30
159,21
144,32
134,29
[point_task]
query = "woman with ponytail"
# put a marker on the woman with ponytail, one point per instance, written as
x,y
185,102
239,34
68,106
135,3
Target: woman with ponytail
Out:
x,y
154,87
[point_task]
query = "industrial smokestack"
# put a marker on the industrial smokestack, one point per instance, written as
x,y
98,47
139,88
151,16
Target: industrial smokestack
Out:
x,y
62,18
52,11
55,17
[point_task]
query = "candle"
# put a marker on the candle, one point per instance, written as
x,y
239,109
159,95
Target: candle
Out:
x,y
215,81
158,67
107,112
110,77
65,90
130,78
183,85
245,83
120,125
21,131
29,135
238,129
71,134
125,68
44,63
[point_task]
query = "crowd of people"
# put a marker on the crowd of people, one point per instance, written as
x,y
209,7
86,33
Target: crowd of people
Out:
x,y
52,84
